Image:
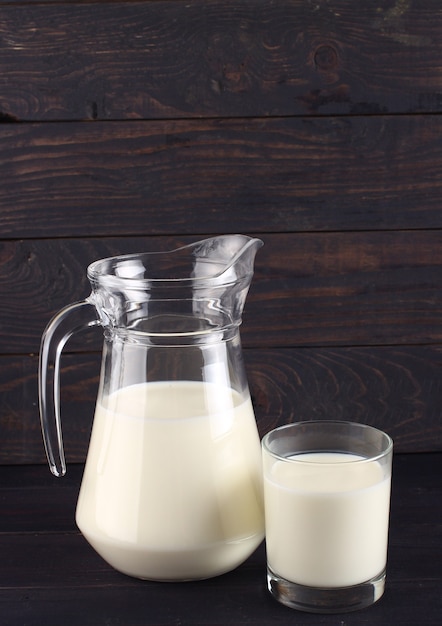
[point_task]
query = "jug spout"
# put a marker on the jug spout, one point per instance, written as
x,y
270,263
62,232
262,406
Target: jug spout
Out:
x,y
223,272
226,258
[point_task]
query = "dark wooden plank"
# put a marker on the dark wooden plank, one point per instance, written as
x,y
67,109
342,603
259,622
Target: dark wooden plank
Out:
x,y
19,415
35,570
187,177
55,577
32,500
368,288
63,573
205,604
397,389
124,60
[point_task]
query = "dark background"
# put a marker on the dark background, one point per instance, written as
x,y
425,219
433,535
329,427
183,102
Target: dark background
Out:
x,y
313,124
133,126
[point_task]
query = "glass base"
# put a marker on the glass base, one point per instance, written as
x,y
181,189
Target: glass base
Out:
x,y
325,600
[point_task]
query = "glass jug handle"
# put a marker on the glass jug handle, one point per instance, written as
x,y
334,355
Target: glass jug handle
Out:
x,y
63,325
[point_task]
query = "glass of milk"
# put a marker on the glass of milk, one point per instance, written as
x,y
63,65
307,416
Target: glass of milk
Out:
x,y
327,502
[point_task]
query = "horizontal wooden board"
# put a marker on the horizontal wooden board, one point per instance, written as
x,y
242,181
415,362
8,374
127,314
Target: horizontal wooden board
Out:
x,y
35,570
50,502
187,177
62,579
396,389
125,60
49,570
368,288
239,600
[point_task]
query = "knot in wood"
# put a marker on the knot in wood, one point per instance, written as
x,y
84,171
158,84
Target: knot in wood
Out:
x,y
326,58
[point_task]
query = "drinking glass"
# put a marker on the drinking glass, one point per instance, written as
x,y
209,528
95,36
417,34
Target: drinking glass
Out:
x,y
327,501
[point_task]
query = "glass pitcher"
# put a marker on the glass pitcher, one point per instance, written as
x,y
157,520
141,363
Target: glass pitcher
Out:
x,y
172,486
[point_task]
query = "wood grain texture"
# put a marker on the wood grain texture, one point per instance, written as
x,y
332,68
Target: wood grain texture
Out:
x,y
239,599
313,125
395,389
368,288
128,126
126,60
188,177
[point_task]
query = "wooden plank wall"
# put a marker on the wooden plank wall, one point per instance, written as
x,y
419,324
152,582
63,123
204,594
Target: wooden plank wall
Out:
x,y
315,125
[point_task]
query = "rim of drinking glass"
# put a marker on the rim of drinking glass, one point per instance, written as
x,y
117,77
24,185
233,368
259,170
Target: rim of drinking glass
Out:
x,y
386,449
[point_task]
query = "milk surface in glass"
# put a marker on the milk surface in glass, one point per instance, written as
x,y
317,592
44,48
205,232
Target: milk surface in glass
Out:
x,y
173,484
327,519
